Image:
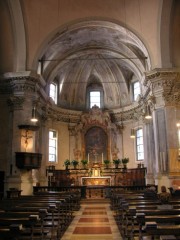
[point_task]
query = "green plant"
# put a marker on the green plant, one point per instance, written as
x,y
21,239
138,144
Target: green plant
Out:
x,y
67,162
116,161
106,161
84,161
74,162
125,160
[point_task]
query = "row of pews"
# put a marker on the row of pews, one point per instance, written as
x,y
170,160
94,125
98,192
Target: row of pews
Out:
x,y
140,216
45,215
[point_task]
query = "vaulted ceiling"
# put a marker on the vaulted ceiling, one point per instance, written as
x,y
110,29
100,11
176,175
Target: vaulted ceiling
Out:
x,y
94,51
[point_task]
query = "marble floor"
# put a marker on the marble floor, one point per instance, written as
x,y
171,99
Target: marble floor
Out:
x,y
94,221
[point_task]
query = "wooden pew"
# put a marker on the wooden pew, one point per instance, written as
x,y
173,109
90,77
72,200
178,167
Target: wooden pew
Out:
x,y
164,230
122,202
33,204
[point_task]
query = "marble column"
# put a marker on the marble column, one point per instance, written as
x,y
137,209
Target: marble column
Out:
x,y
149,152
163,86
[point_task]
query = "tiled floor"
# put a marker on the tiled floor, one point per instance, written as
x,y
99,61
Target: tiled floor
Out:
x,y
94,221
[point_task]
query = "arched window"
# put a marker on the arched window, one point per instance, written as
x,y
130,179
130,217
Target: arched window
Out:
x,y
95,95
52,146
95,98
139,145
135,90
53,92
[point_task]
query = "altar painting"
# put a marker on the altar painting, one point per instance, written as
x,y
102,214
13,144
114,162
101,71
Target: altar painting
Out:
x,y
96,145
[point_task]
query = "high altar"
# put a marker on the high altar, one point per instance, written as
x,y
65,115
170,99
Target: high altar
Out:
x,y
95,139
96,142
96,179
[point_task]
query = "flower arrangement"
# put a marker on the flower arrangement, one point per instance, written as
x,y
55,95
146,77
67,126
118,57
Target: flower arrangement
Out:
x,y
116,161
125,160
106,161
84,161
67,162
74,162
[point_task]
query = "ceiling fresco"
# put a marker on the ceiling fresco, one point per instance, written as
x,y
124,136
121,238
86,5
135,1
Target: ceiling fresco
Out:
x,y
100,50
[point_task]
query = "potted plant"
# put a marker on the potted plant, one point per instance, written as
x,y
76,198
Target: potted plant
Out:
x,y
84,162
74,163
124,162
106,162
67,163
116,162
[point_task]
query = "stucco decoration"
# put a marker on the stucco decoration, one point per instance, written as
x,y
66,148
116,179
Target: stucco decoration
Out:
x,y
95,117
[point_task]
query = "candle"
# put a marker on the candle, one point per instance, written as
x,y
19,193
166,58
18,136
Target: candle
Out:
x,y
164,161
102,158
88,158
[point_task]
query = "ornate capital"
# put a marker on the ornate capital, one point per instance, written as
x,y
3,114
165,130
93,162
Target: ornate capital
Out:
x,y
20,83
164,84
16,103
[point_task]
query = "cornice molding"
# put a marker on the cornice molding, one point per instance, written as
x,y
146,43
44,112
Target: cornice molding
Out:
x,y
70,116
27,83
161,73
23,83
60,114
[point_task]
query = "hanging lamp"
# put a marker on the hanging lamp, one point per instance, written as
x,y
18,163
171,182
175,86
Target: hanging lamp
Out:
x,y
34,115
148,112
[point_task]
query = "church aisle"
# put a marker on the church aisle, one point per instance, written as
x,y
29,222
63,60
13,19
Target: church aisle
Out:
x,y
93,221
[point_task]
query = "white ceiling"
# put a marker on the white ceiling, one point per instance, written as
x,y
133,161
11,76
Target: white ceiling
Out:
x,y
103,51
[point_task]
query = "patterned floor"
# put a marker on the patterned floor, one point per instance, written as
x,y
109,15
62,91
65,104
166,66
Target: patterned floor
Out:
x,y
94,221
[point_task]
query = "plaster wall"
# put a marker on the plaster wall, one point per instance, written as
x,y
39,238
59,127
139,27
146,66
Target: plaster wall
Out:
x,y
41,20
129,146
63,142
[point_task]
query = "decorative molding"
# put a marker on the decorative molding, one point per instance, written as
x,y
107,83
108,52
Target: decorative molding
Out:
x,y
161,73
24,85
16,102
19,83
96,117
59,114
164,83
5,87
172,99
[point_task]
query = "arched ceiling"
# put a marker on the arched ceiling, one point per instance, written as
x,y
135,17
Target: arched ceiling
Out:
x,y
100,50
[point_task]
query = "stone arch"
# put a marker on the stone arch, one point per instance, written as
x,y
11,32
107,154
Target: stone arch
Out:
x,y
19,35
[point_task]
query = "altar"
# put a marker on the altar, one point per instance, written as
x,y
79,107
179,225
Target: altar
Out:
x,y
96,181
96,186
